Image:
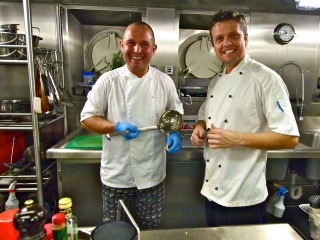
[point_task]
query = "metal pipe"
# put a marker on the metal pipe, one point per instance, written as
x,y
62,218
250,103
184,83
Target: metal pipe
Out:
x,y
299,106
35,122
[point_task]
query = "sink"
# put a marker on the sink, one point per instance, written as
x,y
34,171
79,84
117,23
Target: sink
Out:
x,y
310,139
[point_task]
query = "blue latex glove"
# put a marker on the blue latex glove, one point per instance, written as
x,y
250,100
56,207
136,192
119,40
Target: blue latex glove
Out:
x,y
124,126
174,142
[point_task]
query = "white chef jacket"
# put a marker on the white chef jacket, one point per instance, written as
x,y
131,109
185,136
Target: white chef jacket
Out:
x,y
120,96
244,100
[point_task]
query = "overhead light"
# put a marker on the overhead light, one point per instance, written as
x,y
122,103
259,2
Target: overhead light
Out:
x,y
307,4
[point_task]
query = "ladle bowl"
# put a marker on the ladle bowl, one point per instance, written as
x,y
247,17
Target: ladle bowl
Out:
x,y
170,120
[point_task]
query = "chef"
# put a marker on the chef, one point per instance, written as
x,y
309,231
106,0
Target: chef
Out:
x,y
133,166
246,113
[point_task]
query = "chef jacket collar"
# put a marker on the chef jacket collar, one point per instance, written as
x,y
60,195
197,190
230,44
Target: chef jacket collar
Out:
x,y
131,75
241,65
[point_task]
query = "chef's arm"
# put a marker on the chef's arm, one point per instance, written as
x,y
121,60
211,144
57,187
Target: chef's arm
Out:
x,y
224,138
98,124
268,140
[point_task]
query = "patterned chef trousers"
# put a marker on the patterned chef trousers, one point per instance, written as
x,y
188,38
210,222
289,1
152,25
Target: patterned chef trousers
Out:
x,y
145,205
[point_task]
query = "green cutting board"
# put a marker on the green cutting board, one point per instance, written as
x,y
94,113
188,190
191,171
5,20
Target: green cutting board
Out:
x,y
86,141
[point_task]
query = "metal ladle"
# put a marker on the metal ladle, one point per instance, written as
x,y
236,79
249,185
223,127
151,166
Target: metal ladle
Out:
x,y
170,120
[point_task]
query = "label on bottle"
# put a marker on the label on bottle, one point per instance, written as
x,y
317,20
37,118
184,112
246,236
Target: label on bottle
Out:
x,y
60,234
12,202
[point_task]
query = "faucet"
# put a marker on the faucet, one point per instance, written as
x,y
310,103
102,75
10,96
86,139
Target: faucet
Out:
x,y
300,106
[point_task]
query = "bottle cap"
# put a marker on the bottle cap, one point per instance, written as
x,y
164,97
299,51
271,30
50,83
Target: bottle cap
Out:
x,y
88,73
65,203
58,218
28,203
314,201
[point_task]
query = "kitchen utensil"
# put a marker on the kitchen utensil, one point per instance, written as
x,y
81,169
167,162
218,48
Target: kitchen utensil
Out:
x,y
11,105
170,120
14,106
7,38
117,230
10,28
22,52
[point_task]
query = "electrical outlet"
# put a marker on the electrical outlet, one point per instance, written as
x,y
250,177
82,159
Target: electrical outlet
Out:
x,y
168,69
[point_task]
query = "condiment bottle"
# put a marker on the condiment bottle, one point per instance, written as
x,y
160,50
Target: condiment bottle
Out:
x,y
30,221
314,216
59,227
12,201
65,206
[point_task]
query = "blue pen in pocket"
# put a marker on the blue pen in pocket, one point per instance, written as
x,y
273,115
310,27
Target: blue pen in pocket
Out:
x,y
280,106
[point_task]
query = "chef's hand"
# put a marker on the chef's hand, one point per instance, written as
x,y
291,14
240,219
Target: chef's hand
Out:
x,y
174,142
198,137
124,126
222,138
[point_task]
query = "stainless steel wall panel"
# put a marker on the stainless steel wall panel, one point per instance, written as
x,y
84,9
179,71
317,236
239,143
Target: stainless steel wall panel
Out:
x,y
165,26
302,49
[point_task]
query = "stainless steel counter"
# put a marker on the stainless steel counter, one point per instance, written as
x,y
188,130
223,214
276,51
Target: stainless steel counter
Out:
x,y
189,151
81,167
246,232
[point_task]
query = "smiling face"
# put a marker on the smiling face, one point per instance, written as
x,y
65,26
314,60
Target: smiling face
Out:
x,y
229,42
138,46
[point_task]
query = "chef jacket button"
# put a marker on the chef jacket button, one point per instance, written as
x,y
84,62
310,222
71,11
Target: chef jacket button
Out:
x,y
208,160
207,180
209,117
240,73
211,96
216,188
230,96
219,166
226,120
220,75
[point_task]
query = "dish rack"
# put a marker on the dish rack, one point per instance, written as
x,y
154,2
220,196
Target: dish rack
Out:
x,y
27,180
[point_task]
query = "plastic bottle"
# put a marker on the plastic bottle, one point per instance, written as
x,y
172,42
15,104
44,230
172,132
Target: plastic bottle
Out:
x,y
272,201
30,221
12,201
279,207
59,227
65,206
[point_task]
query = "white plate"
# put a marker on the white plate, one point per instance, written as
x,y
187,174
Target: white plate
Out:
x,y
100,50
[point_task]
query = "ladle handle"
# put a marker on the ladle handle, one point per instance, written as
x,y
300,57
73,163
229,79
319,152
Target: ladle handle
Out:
x,y
112,134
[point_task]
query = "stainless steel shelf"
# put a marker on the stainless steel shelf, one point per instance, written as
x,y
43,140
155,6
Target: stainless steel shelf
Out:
x,y
27,125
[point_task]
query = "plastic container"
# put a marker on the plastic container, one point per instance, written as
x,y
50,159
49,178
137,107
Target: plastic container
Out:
x,y
88,78
7,230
